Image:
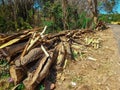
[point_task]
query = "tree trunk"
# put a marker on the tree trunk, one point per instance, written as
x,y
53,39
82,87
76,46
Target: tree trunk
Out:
x,y
93,8
65,14
95,12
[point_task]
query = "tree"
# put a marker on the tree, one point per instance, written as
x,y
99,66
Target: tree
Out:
x,y
93,5
16,14
65,13
109,5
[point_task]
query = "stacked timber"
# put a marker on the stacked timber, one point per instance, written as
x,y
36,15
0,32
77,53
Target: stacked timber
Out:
x,y
31,53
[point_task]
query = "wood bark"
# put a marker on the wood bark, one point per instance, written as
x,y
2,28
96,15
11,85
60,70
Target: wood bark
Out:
x,y
61,55
93,4
17,74
33,55
65,14
41,72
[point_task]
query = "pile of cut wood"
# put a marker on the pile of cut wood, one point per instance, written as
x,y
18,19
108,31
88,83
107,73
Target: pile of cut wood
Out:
x,y
31,53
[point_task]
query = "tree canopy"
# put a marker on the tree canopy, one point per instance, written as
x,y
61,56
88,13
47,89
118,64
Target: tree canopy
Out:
x,y
56,14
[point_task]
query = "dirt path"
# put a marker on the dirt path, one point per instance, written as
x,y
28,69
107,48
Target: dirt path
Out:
x,y
101,74
116,31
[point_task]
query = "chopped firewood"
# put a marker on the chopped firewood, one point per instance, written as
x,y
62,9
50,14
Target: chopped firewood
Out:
x,y
14,40
30,81
32,41
41,72
9,51
61,55
5,38
4,52
17,74
33,55
17,47
68,50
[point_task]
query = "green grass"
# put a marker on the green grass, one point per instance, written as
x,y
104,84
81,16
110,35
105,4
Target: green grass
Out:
x,y
41,87
5,76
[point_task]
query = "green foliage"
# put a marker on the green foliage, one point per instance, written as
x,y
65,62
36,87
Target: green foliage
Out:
x,y
109,5
75,54
24,16
4,69
109,17
3,62
83,20
41,87
53,16
21,87
15,17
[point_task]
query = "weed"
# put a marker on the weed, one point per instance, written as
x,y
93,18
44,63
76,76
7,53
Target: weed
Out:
x,y
78,79
75,54
4,67
21,87
41,87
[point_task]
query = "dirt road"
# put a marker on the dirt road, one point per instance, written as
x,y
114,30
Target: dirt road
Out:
x,y
116,31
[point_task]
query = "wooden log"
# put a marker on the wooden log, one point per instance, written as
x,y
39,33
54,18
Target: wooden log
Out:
x,y
15,40
17,74
10,37
68,33
61,55
41,72
25,49
32,41
68,50
13,49
41,67
51,43
34,54
32,77
60,34
2,35
38,70
6,38
66,44
3,52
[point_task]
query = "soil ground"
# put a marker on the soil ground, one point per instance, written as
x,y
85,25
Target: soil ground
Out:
x,y
103,73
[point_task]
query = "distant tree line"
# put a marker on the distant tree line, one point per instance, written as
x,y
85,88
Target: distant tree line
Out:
x,y
58,15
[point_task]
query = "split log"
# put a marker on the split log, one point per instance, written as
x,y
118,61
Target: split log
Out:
x,y
3,52
15,40
68,50
17,74
50,44
60,34
15,48
30,81
41,72
3,35
32,41
61,55
12,50
10,37
67,46
25,49
35,57
5,38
